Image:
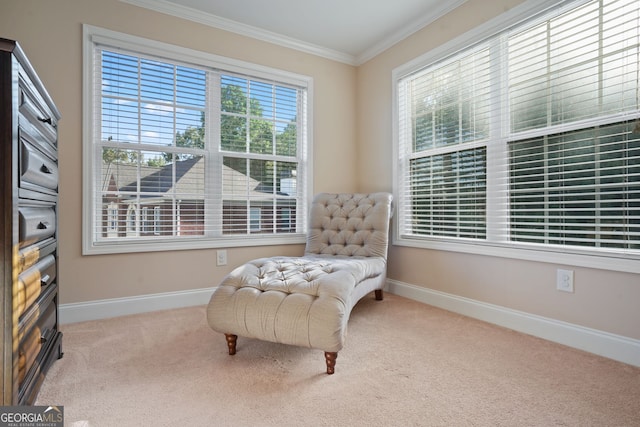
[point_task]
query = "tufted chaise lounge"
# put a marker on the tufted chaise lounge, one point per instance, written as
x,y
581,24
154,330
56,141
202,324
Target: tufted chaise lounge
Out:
x,y
306,301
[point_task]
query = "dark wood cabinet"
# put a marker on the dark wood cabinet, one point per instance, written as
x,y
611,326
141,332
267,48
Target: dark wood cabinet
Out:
x,y
31,340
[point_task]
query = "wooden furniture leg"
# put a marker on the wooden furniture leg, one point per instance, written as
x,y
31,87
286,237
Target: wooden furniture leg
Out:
x,y
231,343
379,295
330,357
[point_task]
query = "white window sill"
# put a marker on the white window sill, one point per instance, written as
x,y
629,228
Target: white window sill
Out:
x,y
605,261
119,246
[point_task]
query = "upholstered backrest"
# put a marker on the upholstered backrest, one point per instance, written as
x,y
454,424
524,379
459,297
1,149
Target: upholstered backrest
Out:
x,y
349,224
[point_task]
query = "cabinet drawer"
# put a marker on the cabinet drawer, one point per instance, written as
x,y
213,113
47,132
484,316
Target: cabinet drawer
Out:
x,y
32,281
46,269
27,131
48,322
32,254
28,352
36,168
36,338
36,223
34,110
31,316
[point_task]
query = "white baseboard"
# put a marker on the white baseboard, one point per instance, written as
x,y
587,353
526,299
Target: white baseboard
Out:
x,y
616,347
102,309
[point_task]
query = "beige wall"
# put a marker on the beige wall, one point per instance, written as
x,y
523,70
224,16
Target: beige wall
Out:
x,y
50,32
603,300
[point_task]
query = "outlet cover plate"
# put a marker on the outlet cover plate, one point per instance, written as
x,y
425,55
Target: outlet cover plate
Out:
x,y
564,280
221,257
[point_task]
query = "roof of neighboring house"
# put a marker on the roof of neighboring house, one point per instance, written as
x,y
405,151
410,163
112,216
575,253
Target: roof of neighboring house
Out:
x,y
189,182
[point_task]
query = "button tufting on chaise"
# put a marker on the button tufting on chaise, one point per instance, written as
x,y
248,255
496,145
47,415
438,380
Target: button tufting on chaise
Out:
x,y
307,300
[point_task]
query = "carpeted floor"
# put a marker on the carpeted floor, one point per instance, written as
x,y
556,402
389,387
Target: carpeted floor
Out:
x,y
404,364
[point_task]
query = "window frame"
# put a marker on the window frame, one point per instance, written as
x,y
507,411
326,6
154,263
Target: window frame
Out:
x,y
531,11
93,36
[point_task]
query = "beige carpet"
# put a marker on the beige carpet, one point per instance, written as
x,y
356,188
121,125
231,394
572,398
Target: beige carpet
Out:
x,y
405,364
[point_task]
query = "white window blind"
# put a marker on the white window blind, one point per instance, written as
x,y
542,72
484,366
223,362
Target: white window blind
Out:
x,y
528,139
445,135
202,147
573,85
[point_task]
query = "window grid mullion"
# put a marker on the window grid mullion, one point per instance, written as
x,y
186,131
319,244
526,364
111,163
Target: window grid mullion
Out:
x,y
598,195
213,194
546,199
497,149
136,231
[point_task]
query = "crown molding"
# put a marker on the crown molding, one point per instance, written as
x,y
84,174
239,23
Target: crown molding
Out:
x,y
215,21
184,12
412,27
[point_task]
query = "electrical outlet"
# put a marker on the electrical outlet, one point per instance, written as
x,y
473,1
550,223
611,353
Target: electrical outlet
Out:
x,y
221,257
564,280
